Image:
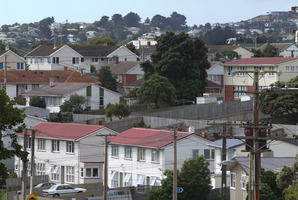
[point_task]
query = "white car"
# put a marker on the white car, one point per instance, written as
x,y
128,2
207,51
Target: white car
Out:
x,y
61,190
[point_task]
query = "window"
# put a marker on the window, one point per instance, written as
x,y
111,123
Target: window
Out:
x,y
82,172
195,153
155,156
114,179
94,59
20,65
92,173
41,144
1,65
69,146
291,69
127,179
209,154
82,59
271,69
233,180
140,179
35,86
141,154
28,142
55,145
75,60
230,69
41,169
101,101
239,91
243,183
115,150
153,181
55,60
55,173
241,69
127,150
119,78
69,174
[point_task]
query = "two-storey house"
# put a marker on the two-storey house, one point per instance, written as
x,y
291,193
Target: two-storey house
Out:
x,y
55,94
139,156
19,82
68,153
76,57
11,61
237,83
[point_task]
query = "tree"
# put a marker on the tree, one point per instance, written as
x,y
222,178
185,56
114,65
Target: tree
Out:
x,y
157,89
4,28
226,56
117,19
37,101
104,22
44,28
269,178
278,105
11,122
119,110
269,51
74,104
106,78
132,48
285,177
159,21
132,19
178,22
194,178
183,61
291,193
266,193
82,37
98,41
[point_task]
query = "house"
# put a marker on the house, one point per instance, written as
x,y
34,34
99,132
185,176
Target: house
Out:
x,y
21,81
217,49
239,167
234,148
126,72
55,94
75,57
241,82
140,156
146,51
284,49
68,153
11,60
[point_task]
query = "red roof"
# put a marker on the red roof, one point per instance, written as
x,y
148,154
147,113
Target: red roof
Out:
x,y
147,137
67,131
259,61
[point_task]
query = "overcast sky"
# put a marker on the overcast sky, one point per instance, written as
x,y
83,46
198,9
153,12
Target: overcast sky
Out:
x,y
196,11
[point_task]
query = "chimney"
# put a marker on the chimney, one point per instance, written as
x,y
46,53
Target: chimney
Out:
x,y
87,121
99,122
65,68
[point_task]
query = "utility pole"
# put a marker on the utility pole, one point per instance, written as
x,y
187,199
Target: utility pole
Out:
x,y
5,72
32,160
223,166
175,165
105,193
24,174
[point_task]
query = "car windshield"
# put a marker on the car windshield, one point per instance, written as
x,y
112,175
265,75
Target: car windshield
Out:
x,y
39,185
53,187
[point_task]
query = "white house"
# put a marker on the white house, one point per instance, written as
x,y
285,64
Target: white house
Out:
x,y
21,81
75,57
287,69
55,94
284,49
140,156
68,153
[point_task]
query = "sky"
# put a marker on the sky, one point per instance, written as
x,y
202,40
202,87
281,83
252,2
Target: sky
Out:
x,y
196,11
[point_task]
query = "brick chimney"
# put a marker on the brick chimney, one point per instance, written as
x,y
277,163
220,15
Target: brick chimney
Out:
x,y
87,121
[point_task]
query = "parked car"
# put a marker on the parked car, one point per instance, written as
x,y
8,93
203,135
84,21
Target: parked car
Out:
x,y
115,192
61,190
43,185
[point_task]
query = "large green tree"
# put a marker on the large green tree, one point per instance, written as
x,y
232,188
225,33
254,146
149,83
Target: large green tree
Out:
x,y
119,110
194,178
183,61
277,105
37,101
106,78
157,89
44,29
11,122
132,19
74,104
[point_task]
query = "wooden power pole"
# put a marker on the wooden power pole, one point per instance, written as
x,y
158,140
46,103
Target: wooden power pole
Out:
x,y
175,165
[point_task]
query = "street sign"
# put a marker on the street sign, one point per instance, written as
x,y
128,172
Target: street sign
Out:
x,y
32,197
179,189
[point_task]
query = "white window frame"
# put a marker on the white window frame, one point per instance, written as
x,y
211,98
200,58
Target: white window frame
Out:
x,y
127,152
141,154
41,144
209,154
40,169
243,182
127,179
114,179
69,146
55,145
90,172
233,180
271,68
140,179
229,71
241,91
69,174
115,151
55,173
155,155
241,68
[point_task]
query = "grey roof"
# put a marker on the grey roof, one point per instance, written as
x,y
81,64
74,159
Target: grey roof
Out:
x,y
137,83
231,143
211,84
58,89
123,67
269,164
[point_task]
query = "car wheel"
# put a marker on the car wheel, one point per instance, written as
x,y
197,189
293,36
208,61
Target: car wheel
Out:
x,y
56,195
79,191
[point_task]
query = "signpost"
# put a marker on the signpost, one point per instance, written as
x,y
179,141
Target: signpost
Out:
x,y
179,189
32,197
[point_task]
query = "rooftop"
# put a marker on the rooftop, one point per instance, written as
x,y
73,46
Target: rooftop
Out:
x,y
259,61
